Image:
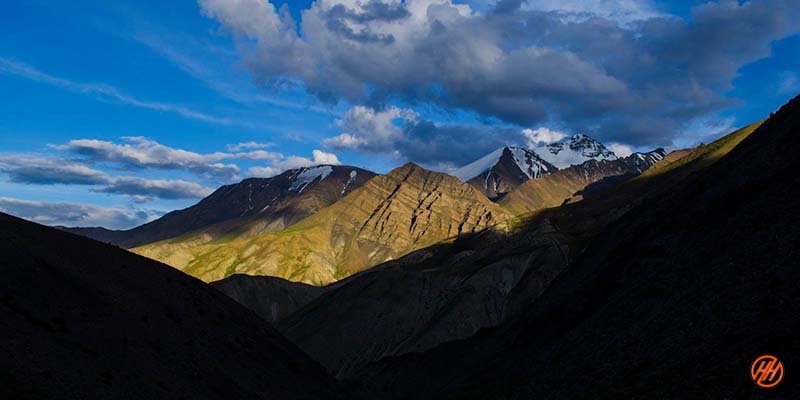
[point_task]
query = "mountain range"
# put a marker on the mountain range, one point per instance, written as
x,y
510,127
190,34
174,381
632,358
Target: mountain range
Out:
x,y
452,291
664,282
251,206
321,224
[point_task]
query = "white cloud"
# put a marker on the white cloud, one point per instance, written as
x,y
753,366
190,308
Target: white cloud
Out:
x,y
373,130
74,214
141,152
620,150
539,136
318,157
402,134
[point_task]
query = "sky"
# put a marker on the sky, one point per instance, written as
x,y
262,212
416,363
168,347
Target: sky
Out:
x,y
116,112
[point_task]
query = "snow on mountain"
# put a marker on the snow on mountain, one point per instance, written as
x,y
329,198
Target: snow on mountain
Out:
x,y
574,150
353,175
643,161
307,175
479,166
529,162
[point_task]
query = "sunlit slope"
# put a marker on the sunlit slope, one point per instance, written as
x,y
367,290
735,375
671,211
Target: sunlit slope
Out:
x,y
574,182
391,215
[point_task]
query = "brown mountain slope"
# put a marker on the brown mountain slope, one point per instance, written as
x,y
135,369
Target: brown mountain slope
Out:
x,y
674,300
86,320
389,216
251,206
451,291
553,189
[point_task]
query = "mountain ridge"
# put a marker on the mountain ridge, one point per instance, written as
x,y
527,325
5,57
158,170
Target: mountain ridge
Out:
x,y
257,204
387,217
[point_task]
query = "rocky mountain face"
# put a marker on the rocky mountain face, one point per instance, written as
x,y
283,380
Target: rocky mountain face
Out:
x,y
574,150
577,181
389,216
249,207
451,292
500,171
87,320
673,300
579,160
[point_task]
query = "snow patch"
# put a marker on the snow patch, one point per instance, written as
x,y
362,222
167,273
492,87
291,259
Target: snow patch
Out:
x,y
574,150
528,162
353,175
479,166
306,176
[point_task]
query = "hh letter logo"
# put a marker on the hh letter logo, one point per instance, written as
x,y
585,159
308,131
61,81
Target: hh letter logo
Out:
x,y
767,371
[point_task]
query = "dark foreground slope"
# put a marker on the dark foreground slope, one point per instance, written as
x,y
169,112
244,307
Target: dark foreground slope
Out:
x,y
674,300
81,319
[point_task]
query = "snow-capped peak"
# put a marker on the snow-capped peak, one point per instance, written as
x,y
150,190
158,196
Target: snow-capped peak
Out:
x,y
305,176
574,150
528,162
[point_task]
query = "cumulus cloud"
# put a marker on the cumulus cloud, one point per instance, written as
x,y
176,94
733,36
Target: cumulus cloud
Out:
x,y
365,128
319,157
73,214
621,68
539,136
402,134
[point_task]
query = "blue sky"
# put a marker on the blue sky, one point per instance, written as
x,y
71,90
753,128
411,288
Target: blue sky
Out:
x,y
117,111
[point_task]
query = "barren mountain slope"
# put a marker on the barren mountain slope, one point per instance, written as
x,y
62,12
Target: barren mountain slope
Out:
x,y
554,188
389,216
450,291
249,207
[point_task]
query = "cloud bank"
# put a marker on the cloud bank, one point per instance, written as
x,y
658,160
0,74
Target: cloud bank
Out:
x,y
620,69
73,214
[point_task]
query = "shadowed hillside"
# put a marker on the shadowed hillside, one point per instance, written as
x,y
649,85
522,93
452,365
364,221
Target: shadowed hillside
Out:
x,y
674,300
82,319
451,291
